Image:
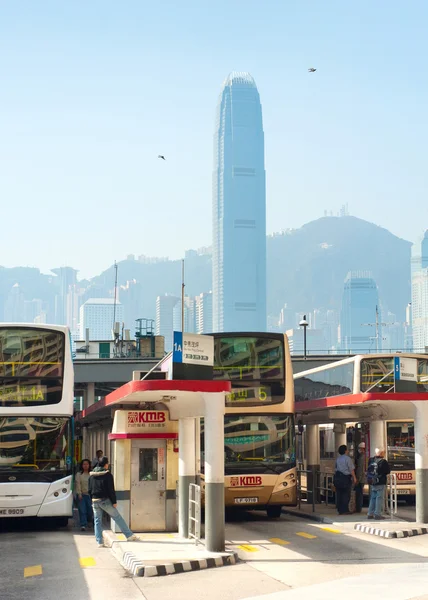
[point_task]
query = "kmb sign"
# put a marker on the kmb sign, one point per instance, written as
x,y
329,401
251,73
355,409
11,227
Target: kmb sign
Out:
x,y
246,481
146,416
404,476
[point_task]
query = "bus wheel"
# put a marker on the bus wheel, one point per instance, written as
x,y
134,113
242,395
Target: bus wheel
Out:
x,y
274,512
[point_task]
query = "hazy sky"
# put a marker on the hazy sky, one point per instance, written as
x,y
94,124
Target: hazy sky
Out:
x,y
93,90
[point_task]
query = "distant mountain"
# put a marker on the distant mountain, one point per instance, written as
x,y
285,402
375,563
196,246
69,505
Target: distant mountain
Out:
x,y
306,267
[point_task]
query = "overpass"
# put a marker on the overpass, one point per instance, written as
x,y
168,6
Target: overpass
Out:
x,y
101,376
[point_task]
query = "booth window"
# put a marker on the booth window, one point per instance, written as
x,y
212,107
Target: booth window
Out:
x,y
148,464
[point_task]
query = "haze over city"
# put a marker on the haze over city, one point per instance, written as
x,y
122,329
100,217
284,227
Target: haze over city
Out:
x,y
93,93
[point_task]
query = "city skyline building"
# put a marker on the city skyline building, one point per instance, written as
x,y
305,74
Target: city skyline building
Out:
x,y
360,321
419,312
239,208
164,322
204,312
98,315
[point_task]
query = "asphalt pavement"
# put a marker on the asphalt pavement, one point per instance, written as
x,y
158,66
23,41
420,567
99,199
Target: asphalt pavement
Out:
x,y
289,555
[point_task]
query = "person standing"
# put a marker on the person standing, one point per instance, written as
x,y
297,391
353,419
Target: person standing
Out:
x,y
360,474
98,455
102,492
343,478
377,471
84,504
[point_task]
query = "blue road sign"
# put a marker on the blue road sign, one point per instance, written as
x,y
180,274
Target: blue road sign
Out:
x,y
397,368
177,348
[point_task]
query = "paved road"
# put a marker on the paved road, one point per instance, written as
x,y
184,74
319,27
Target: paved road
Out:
x,y
287,554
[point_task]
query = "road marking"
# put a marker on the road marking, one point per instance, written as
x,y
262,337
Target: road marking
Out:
x,y
306,535
32,571
331,530
248,548
87,561
279,541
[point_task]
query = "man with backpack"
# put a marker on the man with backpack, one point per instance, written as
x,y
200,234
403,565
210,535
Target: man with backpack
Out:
x,y
377,472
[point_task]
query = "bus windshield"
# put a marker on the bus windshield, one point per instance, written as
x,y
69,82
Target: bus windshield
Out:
x,y
401,445
35,443
31,366
258,443
254,364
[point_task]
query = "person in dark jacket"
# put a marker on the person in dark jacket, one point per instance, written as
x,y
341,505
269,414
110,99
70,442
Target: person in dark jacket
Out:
x,y
102,492
360,474
377,488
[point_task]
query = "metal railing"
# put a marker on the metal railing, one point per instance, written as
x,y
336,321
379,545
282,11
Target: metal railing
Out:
x,y
195,512
392,496
318,488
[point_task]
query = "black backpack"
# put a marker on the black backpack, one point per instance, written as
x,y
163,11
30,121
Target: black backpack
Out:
x,y
373,472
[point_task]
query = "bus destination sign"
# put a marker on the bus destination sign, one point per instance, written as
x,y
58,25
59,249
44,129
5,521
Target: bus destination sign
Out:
x,y
20,394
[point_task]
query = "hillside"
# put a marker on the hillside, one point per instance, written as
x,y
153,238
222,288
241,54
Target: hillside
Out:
x,y
307,267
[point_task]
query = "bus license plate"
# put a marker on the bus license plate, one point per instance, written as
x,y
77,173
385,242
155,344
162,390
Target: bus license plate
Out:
x,y
11,512
246,500
403,492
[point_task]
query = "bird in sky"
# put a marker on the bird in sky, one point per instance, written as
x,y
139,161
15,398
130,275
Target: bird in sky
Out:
x,y
162,157
311,70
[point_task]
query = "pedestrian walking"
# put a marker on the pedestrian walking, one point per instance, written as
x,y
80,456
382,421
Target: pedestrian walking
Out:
x,y
377,471
84,503
344,476
360,474
101,489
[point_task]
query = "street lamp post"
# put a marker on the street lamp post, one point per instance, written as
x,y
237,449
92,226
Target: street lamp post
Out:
x,y
303,323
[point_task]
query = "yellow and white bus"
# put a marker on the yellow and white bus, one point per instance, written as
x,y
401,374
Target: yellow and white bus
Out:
x,y
367,386
36,428
260,457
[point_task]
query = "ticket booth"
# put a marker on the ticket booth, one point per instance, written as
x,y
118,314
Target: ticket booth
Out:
x,y
145,468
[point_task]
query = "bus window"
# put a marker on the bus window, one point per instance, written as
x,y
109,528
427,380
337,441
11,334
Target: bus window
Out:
x,y
401,445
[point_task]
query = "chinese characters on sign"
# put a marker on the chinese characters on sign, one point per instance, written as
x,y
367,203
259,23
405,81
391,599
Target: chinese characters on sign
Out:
x,y
193,349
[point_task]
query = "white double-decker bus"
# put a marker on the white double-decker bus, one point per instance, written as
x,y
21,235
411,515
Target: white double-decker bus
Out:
x,y
36,422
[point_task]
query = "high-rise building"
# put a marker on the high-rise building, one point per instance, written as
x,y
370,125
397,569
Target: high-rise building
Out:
x,y
419,310
65,277
239,209
14,305
164,324
360,322
189,315
98,315
204,312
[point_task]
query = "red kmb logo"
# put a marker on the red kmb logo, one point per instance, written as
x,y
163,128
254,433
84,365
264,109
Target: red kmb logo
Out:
x,y
404,476
247,480
136,417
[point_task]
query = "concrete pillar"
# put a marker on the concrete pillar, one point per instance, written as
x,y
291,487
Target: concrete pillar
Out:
x,y
198,450
90,394
377,437
421,460
186,471
339,440
214,472
85,449
313,459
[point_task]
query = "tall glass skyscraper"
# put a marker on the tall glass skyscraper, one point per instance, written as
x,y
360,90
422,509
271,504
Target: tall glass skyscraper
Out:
x,y
358,331
419,269
239,209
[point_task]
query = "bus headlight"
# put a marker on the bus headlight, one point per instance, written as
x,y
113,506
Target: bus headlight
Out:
x,y
56,494
285,483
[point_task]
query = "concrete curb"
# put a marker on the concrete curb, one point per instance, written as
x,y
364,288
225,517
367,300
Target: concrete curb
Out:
x,y
137,568
308,516
391,533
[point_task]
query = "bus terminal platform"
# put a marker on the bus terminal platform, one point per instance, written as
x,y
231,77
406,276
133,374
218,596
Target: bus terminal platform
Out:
x,y
156,554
